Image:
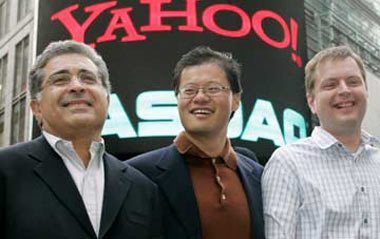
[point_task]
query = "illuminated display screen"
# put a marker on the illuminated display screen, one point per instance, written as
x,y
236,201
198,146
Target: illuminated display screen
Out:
x,y
141,41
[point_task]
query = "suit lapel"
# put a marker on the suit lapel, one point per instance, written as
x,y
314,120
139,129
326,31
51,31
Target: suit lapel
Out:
x,y
55,175
252,186
116,188
176,185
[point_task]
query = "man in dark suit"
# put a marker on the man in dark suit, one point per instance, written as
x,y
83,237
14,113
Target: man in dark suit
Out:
x,y
209,191
63,184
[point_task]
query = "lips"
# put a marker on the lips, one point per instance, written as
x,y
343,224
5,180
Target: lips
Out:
x,y
343,105
69,102
201,111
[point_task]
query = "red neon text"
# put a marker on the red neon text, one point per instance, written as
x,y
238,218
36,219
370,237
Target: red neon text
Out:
x,y
121,19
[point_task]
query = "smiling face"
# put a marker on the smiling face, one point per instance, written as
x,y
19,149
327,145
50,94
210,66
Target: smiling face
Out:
x,y
73,99
203,115
339,97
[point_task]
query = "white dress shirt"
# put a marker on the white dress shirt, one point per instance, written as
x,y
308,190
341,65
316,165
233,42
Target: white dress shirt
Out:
x,y
317,188
90,180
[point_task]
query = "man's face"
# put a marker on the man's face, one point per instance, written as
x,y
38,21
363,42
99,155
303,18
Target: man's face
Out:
x,y
205,115
340,96
72,98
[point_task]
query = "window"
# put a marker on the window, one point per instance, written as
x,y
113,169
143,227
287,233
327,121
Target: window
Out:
x,y
18,121
4,17
21,67
19,91
3,79
24,7
1,129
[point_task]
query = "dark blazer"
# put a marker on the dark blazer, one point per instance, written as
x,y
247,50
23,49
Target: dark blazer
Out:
x,y
167,168
39,199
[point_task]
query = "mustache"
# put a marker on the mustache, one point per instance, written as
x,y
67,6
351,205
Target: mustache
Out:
x,y
75,98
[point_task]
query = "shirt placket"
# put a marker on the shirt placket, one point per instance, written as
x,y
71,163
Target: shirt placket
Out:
x,y
218,178
364,200
89,196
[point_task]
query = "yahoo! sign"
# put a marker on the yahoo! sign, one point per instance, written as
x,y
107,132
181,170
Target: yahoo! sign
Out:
x,y
141,40
121,19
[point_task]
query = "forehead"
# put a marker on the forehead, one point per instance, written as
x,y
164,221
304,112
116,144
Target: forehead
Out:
x,y
69,62
337,68
202,74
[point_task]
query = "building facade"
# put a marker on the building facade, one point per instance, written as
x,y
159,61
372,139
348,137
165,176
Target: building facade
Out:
x,y
328,22
16,41
355,23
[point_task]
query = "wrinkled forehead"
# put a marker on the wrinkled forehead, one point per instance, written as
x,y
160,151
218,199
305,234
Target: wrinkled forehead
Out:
x,y
71,62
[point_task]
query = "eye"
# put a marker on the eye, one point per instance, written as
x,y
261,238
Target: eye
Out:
x,y
214,89
189,91
354,81
88,78
60,79
329,85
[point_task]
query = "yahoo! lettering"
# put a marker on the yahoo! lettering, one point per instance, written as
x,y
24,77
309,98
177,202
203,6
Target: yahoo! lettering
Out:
x,y
121,19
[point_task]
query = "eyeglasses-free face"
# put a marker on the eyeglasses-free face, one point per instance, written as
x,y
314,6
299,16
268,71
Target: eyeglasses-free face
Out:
x,y
340,96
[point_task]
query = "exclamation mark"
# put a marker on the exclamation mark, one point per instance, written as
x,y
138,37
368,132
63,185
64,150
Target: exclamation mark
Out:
x,y
294,42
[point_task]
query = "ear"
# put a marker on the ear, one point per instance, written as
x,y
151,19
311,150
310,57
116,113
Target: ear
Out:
x,y
235,101
108,99
311,102
36,109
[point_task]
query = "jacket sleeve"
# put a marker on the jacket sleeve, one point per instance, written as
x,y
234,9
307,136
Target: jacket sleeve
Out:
x,y
156,228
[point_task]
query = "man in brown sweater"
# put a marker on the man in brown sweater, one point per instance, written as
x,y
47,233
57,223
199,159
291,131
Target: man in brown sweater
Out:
x,y
208,190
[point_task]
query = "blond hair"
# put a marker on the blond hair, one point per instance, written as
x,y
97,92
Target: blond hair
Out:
x,y
332,53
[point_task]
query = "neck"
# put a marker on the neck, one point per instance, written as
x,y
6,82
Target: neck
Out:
x,y
81,143
82,147
213,146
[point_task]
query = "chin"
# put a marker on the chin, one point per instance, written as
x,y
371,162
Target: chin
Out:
x,y
197,131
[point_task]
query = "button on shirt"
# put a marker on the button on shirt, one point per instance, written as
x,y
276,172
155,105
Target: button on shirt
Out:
x,y
222,203
90,180
317,188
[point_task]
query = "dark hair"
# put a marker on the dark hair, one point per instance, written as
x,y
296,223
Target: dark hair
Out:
x,y
202,55
59,48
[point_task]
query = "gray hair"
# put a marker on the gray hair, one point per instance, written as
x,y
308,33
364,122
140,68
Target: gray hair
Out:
x,y
58,48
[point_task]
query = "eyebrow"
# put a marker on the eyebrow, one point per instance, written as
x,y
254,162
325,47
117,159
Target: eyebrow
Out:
x,y
330,79
206,84
65,71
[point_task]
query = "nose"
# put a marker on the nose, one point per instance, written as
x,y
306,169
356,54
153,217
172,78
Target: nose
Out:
x,y
343,87
201,96
76,84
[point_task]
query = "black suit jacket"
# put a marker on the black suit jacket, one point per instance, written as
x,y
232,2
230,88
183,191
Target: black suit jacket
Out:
x,y
39,199
167,168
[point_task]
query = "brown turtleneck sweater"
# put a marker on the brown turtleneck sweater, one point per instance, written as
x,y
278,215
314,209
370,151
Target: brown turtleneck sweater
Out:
x,y
221,199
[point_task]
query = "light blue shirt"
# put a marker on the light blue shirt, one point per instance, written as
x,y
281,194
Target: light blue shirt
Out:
x,y
90,180
317,188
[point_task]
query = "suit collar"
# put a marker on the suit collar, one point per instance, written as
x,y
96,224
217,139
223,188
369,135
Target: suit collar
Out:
x,y
55,175
175,177
251,182
117,185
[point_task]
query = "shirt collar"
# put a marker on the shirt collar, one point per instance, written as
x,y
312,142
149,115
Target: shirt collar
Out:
x,y
186,146
58,143
369,139
325,140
